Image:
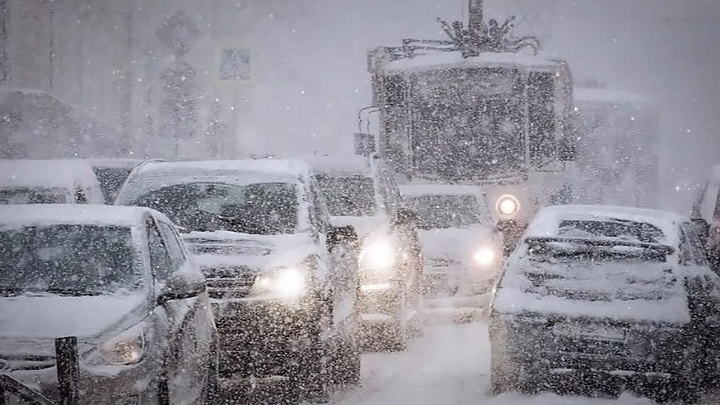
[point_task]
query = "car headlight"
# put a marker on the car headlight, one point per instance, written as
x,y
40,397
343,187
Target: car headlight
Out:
x,y
507,205
375,287
129,347
288,282
377,255
484,256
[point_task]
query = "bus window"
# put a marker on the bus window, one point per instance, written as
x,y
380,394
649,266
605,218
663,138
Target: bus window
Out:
x,y
541,110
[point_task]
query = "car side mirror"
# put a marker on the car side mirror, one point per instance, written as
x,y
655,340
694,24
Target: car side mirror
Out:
x,y
182,285
405,217
339,235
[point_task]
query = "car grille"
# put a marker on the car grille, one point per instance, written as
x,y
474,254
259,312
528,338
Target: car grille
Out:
x,y
229,282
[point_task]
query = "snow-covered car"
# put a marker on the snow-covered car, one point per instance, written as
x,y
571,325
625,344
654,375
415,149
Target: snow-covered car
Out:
x,y
122,282
616,295
282,281
112,173
60,181
705,213
360,192
462,251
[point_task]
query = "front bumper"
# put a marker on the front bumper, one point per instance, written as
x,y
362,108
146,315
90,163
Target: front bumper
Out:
x,y
263,338
112,385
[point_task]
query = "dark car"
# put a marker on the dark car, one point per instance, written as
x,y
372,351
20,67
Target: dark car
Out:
x,y
121,281
283,282
359,192
112,173
621,296
705,215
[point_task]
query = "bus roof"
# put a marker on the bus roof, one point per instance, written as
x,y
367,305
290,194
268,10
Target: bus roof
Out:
x,y
447,60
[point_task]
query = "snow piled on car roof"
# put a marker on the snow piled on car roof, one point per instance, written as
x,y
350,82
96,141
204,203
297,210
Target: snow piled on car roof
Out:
x,y
154,175
62,173
15,216
547,221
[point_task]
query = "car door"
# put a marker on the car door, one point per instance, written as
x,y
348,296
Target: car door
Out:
x,y
342,266
188,338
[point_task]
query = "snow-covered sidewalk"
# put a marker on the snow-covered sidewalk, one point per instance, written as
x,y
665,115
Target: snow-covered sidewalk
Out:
x,y
449,365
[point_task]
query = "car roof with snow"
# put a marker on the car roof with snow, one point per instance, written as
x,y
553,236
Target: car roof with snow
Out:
x,y
547,221
416,190
63,173
339,165
16,216
154,174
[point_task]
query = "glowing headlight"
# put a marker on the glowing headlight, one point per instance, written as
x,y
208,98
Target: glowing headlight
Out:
x,y
126,348
507,205
289,282
484,256
374,287
377,255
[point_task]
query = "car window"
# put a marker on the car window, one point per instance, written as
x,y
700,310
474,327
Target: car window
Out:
x,y
691,246
160,260
177,255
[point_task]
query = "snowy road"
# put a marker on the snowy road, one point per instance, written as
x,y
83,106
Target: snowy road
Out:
x,y
448,366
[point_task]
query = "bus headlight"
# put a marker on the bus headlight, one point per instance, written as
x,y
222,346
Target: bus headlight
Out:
x,y
484,256
507,205
377,255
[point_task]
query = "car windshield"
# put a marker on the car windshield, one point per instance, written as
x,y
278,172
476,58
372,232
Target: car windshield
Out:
x,y
68,260
26,195
446,211
348,195
259,208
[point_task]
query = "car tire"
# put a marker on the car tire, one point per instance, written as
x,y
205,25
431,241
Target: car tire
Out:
x,y
310,378
677,389
396,336
211,392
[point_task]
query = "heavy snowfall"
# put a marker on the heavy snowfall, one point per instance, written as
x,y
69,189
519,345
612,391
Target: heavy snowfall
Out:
x,y
319,201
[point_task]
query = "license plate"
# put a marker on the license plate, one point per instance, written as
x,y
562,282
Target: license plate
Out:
x,y
595,332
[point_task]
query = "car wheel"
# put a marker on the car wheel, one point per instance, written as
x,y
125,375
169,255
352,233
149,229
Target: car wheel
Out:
x,y
677,389
396,336
211,391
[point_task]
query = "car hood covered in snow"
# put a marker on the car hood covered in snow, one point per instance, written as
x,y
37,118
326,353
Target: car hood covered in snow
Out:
x,y
50,316
223,249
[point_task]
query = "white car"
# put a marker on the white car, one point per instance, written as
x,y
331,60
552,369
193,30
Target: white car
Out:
x,y
462,251
361,193
121,281
282,281
618,297
61,181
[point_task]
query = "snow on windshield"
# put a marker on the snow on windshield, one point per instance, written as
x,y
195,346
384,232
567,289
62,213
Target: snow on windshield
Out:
x,y
445,211
352,196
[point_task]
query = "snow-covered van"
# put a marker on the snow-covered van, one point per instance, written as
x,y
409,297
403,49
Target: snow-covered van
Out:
x,y
360,192
462,251
282,281
621,296
61,181
120,280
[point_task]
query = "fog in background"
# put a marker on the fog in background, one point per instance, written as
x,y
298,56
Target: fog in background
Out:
x,y
665,50
308,67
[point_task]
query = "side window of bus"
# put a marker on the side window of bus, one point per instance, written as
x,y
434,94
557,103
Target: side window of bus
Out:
x,y
175,250
160,260
541,110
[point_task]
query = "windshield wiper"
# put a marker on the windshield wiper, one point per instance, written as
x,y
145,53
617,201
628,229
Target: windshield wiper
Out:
x,y
70,292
